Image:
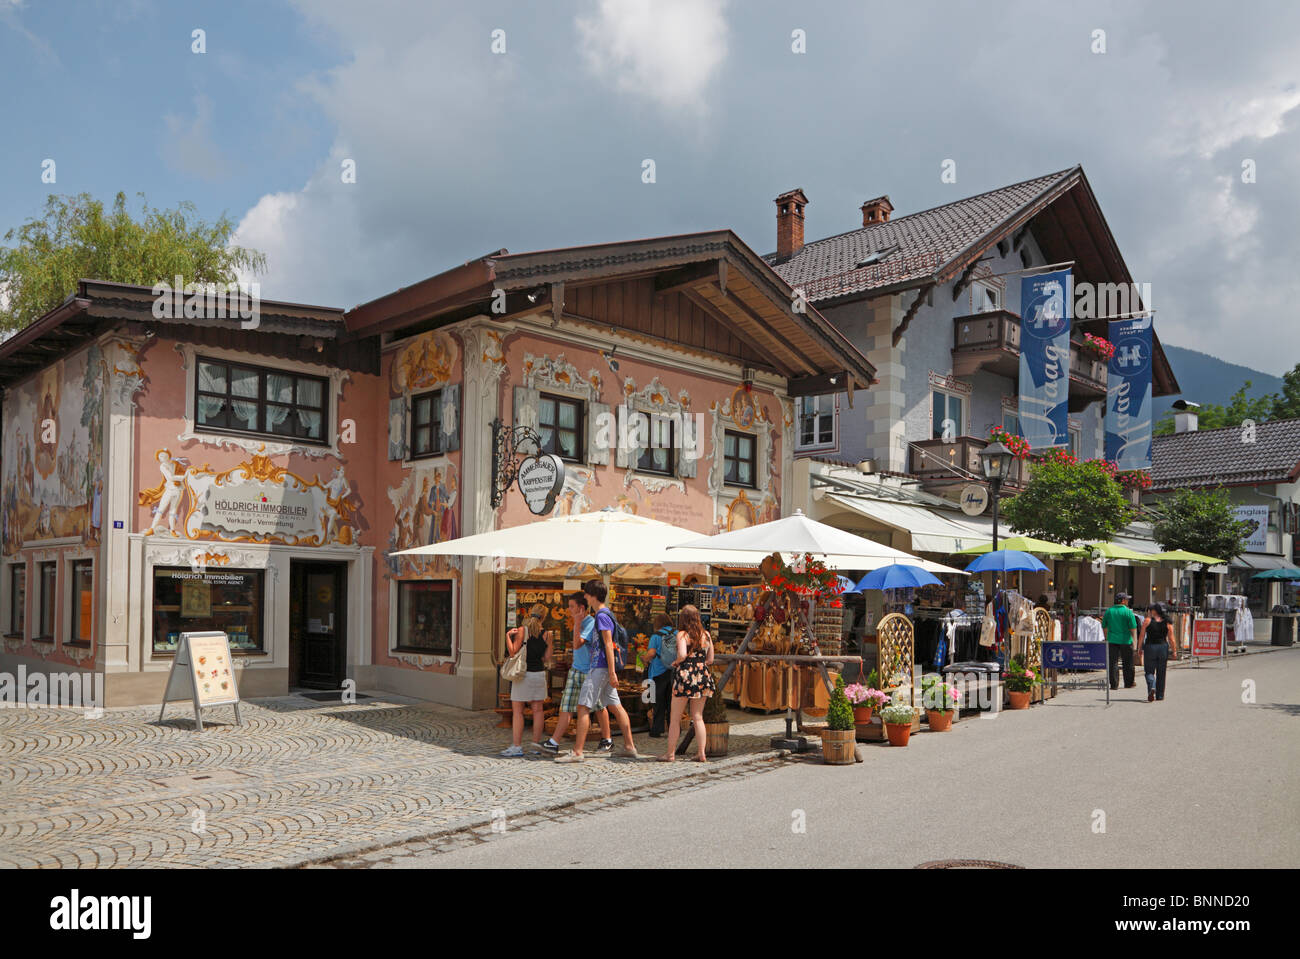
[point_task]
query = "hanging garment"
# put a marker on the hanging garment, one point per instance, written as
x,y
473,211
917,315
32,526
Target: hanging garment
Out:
x,y
989,630
1090,630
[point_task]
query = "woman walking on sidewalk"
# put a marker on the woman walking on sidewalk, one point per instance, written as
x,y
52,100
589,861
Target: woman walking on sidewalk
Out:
x,y
1153,651
532,688
694,681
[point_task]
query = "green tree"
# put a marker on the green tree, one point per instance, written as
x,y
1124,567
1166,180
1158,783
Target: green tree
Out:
x,y
1200,521
1286,405
77,238
1069,503
1240,408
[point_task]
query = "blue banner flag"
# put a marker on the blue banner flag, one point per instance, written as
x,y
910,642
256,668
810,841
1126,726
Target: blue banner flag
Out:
x,y
1045,359
1128,395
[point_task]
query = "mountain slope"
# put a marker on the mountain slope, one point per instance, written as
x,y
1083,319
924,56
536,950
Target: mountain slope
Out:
x,y
1207,379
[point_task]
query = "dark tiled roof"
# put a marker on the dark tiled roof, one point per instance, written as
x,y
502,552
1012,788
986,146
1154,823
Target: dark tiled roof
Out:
x,y
927,241
1224,458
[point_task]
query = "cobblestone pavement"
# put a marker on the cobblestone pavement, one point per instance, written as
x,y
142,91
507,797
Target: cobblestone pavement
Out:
x,y
299,782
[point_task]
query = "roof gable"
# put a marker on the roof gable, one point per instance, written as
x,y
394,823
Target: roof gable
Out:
x,y
1223,457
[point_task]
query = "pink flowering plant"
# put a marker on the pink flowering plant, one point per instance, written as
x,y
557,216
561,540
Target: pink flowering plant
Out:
x,y
1019,677
939,696
865,697
1099,345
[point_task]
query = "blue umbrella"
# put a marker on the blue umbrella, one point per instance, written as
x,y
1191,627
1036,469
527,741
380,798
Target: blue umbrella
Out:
x,y
898,576
1005,561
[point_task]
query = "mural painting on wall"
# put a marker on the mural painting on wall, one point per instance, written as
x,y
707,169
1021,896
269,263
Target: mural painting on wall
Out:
x,y
53,480
427,510
742,410
425,363
254,502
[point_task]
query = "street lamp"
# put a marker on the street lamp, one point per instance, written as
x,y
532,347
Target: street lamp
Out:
x,y
995,460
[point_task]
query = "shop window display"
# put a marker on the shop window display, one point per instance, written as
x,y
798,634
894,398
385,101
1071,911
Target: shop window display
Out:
x,y
227,600
82,610
424,622
18,600
48,573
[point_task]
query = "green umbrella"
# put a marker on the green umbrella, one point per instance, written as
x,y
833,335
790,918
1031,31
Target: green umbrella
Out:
x,y
1278,574
1115,551
1184,557
1024,544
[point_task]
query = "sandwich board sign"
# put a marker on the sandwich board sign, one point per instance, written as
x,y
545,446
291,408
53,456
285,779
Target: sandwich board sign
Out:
x,y
204,672
1207,640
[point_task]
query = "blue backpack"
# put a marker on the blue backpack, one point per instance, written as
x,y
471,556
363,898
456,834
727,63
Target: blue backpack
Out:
x,y
668,647
621,645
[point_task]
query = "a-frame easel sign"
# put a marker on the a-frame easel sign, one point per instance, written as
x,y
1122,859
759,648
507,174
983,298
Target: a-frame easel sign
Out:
x,y
203,672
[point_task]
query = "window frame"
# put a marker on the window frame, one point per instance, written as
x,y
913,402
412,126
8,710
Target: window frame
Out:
x,y
580,428
1015,415
752,459
439,585
434,398
949,395
259,607
993,292
71,637
1076,440
261,400
44,635
817,444
645,459
17,625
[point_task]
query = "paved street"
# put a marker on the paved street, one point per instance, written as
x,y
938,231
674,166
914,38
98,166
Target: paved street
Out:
x,y
299,781
1199,780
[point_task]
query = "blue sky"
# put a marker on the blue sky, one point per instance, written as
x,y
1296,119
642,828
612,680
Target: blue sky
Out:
x,y
460,150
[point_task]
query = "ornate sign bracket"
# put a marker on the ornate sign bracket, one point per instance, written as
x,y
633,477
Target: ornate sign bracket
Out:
x,y
506,456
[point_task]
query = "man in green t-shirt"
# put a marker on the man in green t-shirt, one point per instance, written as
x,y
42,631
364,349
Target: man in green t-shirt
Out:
x,y
1121,635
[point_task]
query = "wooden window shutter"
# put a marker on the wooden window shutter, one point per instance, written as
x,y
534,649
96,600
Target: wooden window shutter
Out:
x,y
397,428
688,444
525,408
449,426
599,438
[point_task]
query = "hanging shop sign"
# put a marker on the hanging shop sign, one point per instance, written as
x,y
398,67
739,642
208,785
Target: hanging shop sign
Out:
x,y
1207,638
540,479
1045,358
1257,518
1128,395
974,499
203,672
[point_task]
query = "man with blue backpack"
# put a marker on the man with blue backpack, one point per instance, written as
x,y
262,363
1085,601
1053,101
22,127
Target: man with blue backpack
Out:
x,y
600,689
663,647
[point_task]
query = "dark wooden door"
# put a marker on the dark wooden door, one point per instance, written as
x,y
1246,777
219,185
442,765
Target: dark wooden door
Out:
x,y
322,600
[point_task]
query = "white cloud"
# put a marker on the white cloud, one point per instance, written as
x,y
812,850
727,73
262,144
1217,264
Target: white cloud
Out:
x,y
665,50
1219,123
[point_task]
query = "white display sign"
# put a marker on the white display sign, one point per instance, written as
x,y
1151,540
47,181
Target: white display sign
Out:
x,y
540,480
204,672
974,499
236,508
1257,541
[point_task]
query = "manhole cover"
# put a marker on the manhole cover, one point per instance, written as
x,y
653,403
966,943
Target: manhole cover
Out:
x,y
968,864
215,777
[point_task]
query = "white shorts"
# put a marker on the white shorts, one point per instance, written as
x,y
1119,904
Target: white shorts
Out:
x,y
596,692
530,689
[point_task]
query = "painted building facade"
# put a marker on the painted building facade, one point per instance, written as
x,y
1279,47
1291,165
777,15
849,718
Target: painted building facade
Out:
x,y
163,475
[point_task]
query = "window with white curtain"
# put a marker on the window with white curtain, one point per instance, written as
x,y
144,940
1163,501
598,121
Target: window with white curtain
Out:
x,y
235,397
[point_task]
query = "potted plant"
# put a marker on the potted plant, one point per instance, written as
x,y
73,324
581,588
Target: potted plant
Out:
x,y
940,701
1020,681
838,740
717,728
864,701
898,718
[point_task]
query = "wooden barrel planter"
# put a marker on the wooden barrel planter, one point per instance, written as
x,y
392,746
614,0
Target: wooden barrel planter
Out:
x,y
716,736
838,746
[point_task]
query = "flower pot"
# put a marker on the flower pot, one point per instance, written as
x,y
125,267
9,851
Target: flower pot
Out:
x,y
899,733
838,746
940,720
862,714
1018,700
716,736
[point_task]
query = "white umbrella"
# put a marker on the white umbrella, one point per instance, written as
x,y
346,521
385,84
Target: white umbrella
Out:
x,y
607,538
798,534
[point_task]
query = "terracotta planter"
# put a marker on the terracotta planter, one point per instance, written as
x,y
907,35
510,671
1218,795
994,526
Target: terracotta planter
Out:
x,y
1018,700
940,720
716,736
862,714
838,746
899,733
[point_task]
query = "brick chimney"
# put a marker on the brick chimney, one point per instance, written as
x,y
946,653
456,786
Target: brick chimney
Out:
x,y
876,211
789,223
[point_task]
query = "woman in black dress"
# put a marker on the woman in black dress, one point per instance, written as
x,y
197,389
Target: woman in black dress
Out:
x,y
1153,651
694,680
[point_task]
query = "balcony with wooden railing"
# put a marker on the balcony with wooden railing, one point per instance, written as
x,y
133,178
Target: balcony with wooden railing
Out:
x,y
939,463
991,341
